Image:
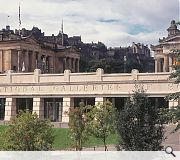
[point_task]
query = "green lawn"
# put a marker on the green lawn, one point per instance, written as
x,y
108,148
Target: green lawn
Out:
x,y
62,141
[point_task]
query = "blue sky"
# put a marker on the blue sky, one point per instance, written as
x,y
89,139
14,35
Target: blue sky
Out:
x,y
113,22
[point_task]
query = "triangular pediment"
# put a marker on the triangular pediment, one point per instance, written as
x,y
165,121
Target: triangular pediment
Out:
x,y
173,39
30,40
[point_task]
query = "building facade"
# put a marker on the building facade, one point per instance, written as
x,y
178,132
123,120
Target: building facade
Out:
x,y
43,85
51,95
163,52
27,53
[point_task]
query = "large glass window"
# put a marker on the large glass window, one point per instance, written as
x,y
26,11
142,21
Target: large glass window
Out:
x,y
159,102
86,101
53,109
24,104
2,108
117,102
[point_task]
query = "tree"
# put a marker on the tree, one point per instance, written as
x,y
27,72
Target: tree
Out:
x,y
27,132
139,125
101,121
109,65
77,126
173,114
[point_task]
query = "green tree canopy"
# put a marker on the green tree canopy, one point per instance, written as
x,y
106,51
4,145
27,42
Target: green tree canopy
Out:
x,y
101,121
139,124
173,114
27,132
77,126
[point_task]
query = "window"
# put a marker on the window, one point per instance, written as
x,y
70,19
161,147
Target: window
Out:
x,y
53,109
2,108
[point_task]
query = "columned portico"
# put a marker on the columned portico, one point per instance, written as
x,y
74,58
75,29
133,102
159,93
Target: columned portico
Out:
x,y
157,64
163,63
164,50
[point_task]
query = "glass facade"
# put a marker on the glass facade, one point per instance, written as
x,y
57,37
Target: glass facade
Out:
x,y
2,108
53,109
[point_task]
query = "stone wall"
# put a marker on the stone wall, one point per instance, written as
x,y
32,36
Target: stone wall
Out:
x,y
84,84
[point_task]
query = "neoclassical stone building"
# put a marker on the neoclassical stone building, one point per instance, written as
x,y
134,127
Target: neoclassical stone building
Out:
x,y
43,78
163,55
25,54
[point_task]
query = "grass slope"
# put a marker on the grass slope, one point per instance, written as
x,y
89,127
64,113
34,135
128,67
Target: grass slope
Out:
x,y
62,140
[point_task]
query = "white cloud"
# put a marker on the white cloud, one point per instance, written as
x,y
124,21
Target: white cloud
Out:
x,y
114,22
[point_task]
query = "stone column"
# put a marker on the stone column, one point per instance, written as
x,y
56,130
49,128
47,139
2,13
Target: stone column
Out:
x,y
10,108
44,64
72,62
166,63
67,103
170,62
173,103
33,61
19,60
51,64
26,61
65,64
78,65
74,65
39,61
99,100
113,102
156,65
159,69
38,107
1,61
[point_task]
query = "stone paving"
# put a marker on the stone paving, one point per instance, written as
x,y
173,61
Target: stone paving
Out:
x,y
173,140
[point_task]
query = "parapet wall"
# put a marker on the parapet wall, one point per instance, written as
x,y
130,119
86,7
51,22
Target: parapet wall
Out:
x,y
85,84
98,76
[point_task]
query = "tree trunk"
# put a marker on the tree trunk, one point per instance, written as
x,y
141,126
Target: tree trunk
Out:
x,y
105,147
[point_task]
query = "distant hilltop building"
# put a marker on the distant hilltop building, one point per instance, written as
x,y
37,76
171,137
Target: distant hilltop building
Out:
x,y
32,49
136,48
60,39
163,52
137,54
